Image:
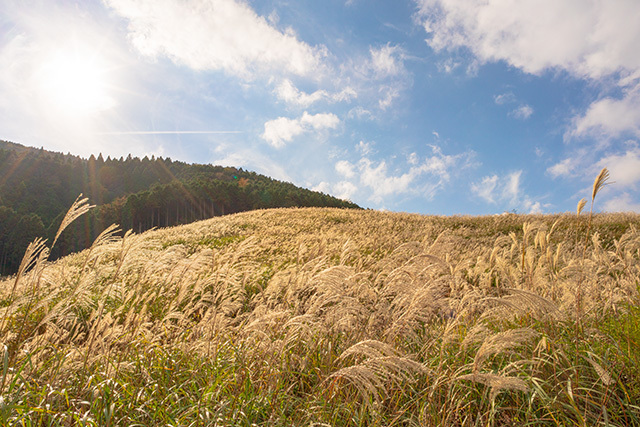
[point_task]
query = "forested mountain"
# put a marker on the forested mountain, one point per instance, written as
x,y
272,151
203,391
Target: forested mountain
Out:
x,y
38,186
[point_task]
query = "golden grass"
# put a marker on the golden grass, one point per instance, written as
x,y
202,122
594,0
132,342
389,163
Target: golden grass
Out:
x,y
325,316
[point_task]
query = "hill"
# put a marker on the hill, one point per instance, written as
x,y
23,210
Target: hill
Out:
x,y
331,317
38,186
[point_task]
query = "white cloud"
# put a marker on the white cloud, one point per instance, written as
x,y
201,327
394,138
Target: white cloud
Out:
x,y
609,117
389,93
383,182
485,188
624,168
386,61
511,189
504,98
287,92
364,148
379,77
344,190
387,64
563,168
623,165
413,159
588,39
216,35
345,95
523,112
532,207
507,192
441,164
360,113
320,121
323,187
448,65
592,40
622,203
279,131
345,168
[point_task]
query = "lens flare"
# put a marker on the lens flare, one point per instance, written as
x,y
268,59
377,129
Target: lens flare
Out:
x,y
75,83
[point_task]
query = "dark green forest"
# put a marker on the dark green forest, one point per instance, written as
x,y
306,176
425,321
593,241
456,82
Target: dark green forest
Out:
x,y
37,187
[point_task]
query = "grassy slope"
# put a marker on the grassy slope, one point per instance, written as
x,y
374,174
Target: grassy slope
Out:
x,y
332,317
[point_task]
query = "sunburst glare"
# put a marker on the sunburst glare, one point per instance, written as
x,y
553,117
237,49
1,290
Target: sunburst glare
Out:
x,y
76,83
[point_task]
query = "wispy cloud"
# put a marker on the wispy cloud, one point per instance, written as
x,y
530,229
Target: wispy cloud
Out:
x,y
523,112
506,191
622,203
345,169
360,113
609,117
485,188
381,182
364,148
379,78
386,61
624,167
511,190
290,94
223,35
563,168
422,175
536,36
623,163
505,98
344,190
282,130
388,94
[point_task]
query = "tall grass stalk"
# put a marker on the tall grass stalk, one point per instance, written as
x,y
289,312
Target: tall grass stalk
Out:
x,y
330,317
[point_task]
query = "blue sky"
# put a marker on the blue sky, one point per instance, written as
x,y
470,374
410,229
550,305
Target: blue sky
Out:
x,y
428,106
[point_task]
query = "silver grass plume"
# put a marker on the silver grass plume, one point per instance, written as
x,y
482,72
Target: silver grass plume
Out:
x,y
78,208
497,383
600,181
382,367
501,343
581,205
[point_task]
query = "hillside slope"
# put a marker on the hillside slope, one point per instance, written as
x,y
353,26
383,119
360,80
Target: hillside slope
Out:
x,y
341,317
38,186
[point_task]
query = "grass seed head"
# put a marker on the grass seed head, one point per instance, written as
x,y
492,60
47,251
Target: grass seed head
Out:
x,y
600,181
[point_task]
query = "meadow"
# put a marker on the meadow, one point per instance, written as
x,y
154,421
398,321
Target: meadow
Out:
x,y
330,317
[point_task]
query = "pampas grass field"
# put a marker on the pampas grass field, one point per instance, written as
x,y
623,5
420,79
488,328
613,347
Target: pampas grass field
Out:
x,y
327,317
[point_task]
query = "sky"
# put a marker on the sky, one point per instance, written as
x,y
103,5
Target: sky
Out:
x,y
429,106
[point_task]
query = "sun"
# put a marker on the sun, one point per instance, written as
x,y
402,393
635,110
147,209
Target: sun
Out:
x,y
75,83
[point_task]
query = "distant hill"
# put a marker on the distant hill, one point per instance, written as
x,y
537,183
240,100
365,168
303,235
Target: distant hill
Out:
x,y
38,186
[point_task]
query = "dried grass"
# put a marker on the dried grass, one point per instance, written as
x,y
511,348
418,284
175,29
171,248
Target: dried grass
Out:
x,y
324,309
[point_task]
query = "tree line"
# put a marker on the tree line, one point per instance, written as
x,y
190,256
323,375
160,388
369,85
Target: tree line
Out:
x,y
38,186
